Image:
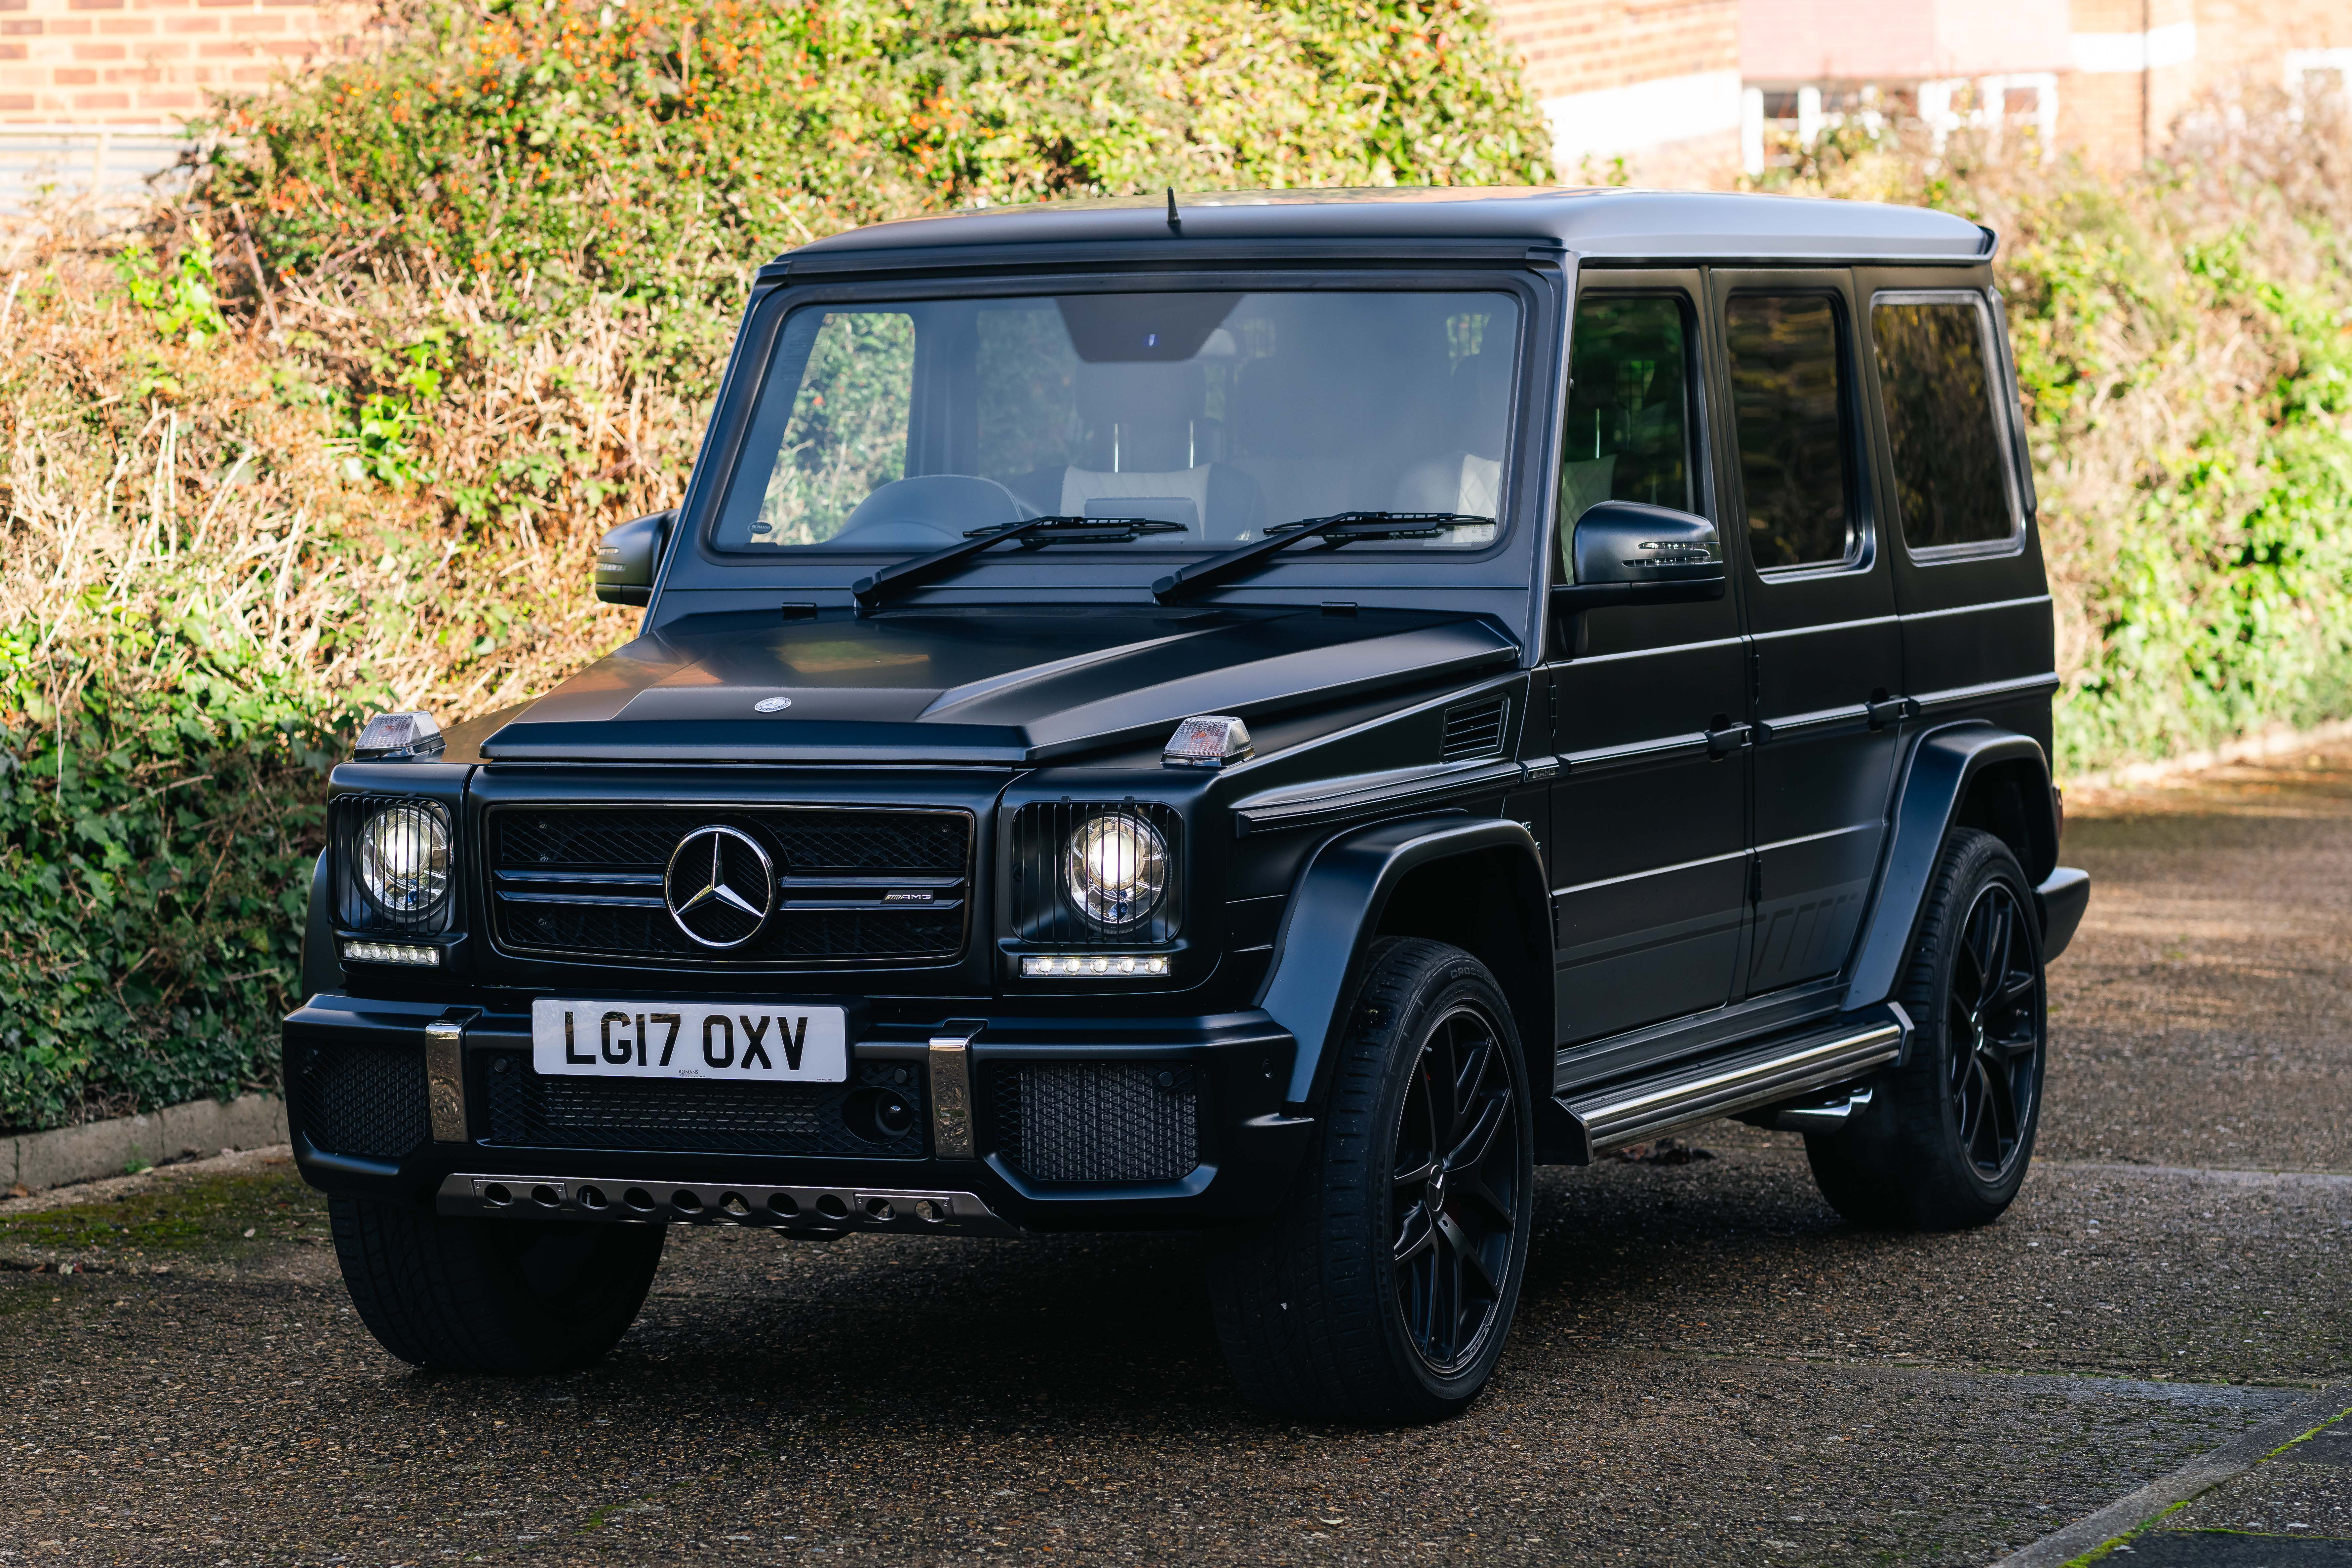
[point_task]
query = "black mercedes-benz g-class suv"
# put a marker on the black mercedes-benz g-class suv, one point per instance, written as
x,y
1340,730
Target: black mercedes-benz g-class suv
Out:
x,y
1269,715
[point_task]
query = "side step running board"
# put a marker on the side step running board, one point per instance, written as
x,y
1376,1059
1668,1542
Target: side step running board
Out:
x,y
1616,1114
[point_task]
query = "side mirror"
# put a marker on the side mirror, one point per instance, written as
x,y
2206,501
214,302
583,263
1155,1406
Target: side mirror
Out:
x,y
1628,553
630,555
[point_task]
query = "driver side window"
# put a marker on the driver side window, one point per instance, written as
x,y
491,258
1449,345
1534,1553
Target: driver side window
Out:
x,y
1628,433
846,436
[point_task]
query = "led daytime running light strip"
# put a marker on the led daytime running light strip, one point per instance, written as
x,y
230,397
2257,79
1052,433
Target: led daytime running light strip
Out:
x,y
1103,965
390,953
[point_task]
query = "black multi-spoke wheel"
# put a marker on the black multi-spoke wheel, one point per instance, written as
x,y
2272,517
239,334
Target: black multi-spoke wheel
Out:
x,y
1456,1190
1383,1289
1946,1142
1992,1016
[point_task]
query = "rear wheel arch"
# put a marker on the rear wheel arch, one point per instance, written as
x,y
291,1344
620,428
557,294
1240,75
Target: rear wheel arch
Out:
x,y
2011,800
1971,767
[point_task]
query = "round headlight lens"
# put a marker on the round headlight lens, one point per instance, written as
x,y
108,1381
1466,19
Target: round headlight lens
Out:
x,y
1117,868
403,855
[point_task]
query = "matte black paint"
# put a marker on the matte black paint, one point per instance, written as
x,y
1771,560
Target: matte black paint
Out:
x,y
1679,788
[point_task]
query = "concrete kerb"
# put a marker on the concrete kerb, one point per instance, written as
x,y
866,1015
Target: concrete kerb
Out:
x,y
2234,1458
94,1149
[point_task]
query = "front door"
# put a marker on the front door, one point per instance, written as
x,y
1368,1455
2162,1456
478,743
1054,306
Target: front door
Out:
x,y
1820,599
1648,822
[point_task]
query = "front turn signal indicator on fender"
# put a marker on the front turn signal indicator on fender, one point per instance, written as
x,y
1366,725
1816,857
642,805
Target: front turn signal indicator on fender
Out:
x,y
1209,740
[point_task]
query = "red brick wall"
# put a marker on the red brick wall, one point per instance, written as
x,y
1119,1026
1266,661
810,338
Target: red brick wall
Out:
x,y
1577,46
2247,40
1570,47
148,62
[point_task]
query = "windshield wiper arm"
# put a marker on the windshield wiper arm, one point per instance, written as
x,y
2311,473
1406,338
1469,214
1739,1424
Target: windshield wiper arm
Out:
x,y
869,592
1340,528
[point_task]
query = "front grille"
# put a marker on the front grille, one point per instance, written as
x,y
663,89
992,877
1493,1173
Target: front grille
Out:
x,y
1045,914
832,933
1097,1121
362,1099
853,887
687,1116
1474,729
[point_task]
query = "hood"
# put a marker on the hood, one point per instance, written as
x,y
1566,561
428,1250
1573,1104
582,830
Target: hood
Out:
x,y
975,684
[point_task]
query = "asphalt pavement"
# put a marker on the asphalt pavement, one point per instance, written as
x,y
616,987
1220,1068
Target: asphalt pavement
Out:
x,y
1708,1367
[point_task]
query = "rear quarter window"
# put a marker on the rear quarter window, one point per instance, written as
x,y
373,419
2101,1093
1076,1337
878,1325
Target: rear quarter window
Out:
x,y
1944,437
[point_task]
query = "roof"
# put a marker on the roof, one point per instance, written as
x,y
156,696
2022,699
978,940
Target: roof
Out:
x,y
1599,223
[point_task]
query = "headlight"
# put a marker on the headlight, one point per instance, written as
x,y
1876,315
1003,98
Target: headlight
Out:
x,y
1115,868
404,858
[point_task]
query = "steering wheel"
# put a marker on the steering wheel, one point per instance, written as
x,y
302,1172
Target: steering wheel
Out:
x,y
931,509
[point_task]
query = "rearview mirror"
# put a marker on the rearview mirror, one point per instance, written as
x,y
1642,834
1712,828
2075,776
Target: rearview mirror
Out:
x,y
629,555
1625,552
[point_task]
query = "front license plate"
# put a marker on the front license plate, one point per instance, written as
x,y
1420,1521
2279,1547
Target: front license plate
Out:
x,y
690,1039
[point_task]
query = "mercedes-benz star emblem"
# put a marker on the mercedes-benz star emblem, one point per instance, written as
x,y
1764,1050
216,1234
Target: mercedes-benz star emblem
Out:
x,y
721,886
772,704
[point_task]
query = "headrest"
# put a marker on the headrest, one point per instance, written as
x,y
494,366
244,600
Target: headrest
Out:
x,y
1142,393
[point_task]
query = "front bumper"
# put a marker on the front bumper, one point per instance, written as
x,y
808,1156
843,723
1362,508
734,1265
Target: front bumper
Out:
x,y
435,1104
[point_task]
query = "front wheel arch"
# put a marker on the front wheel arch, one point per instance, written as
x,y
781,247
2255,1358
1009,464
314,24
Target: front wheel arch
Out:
x,y
1343,898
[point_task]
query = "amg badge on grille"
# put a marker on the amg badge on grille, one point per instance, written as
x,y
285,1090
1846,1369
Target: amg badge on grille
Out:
x,y
721,886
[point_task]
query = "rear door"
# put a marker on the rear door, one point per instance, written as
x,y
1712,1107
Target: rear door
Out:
x,y
1826,654
1649,813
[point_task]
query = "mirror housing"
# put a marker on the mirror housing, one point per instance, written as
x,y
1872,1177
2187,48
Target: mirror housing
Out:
x,y
1625,552
629,555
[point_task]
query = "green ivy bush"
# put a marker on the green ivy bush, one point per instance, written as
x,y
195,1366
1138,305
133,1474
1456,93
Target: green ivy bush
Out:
x,y
155,849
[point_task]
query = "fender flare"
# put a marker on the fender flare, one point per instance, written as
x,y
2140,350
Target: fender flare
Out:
x,y
1337,903
321,970
1936,781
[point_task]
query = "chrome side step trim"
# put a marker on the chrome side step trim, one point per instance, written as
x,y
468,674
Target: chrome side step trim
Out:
x,y
1622,1113
816,1211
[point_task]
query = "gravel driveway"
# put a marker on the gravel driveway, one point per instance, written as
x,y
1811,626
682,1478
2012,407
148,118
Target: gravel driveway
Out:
x,y
1708,1366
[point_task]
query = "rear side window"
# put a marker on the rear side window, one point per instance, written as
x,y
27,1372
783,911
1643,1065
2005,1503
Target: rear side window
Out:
x,y
1788,385
1628,436
1952,477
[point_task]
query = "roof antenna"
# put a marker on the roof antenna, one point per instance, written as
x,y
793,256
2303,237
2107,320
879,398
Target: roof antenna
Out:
x,y
1175,224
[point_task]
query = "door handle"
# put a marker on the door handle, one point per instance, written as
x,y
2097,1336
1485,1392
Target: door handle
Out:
x,y
1886,710
1722,743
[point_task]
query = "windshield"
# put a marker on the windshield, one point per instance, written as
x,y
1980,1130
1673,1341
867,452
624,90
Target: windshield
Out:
x,y
903,426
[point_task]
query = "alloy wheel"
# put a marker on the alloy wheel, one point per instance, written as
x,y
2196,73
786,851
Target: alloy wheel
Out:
x,y
1993,1024
1459,1199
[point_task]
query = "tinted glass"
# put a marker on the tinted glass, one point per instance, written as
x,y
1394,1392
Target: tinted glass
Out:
x,y
902,426
1950,483
1788,384
1629,427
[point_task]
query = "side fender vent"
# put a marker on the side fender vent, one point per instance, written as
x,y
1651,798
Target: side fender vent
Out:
x,y
1473,731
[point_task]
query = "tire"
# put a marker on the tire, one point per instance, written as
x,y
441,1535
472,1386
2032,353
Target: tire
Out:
x,y
1946,1144
1354,1302
510,1296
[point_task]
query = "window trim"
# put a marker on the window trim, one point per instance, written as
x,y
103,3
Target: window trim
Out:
x,y
2005,430
1695,404
1862,547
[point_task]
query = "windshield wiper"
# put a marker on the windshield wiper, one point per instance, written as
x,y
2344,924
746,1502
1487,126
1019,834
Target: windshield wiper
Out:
x,y
1032,533
1340,528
